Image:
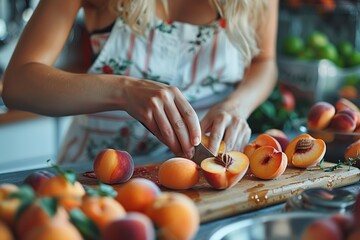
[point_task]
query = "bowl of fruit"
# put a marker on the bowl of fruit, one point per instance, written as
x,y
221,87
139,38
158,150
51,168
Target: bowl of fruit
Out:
x,y
338,125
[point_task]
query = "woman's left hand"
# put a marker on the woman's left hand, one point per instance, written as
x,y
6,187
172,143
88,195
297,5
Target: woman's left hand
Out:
x,y
225,121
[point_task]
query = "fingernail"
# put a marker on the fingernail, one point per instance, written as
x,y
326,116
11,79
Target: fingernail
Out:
x,y
190,154
196,141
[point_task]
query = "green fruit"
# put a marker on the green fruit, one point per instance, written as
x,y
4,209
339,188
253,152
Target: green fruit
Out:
x,y
354,59
307,54
317,40
345,48
328,52
293,45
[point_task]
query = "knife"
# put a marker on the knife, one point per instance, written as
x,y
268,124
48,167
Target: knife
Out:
x,y
201,152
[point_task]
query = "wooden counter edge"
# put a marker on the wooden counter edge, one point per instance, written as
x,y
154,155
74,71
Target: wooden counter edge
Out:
x,y
11,116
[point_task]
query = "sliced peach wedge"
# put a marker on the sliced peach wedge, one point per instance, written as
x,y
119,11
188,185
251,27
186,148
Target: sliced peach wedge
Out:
x,y
261,140
268,163
225,170
305,151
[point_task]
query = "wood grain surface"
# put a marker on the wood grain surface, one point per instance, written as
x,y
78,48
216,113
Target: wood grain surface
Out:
x,y
251,193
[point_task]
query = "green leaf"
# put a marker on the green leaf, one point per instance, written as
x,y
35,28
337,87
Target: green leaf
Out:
x,y
25,193
103,190
49,204
85,225
68,174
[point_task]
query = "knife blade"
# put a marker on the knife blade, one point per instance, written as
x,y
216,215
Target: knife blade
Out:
x,y
201,152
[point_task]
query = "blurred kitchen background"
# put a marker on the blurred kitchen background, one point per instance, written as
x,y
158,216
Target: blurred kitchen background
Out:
x,y
318,58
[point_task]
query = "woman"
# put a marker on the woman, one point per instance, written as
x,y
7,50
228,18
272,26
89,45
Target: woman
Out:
x,y
164,70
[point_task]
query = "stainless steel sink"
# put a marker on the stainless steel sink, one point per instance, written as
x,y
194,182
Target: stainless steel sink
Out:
x,y
279,226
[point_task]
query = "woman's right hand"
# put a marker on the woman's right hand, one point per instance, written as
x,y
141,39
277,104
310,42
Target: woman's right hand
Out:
x,y
165,112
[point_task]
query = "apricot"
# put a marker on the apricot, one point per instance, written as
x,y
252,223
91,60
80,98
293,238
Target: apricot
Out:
x,y
322,229
113,166
54,230
174,215
137,194
134,226
344,121
280,136
5,232
205,140
8,209
261,140
69,195
320,114
306,151
102,210
178,173
35,215
225,170
268,163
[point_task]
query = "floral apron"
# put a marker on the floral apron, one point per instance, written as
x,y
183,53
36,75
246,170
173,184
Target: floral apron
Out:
x,y
199,60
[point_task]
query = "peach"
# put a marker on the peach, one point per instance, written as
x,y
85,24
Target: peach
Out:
x,y
305,151
135,226
280,136
344,103
5,232
261,140
113,166
137,194
354,235
35,179
102,210
268,163
349,92
178,173
35,215
205,140
6,189
353,152
69,194
320,115
174,215
225,170
54,230
8,210
322,229
345,222
343,121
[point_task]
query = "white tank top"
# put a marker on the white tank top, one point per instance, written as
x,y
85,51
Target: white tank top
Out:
x,y
199,60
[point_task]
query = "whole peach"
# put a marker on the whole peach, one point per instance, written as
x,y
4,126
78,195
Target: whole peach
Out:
x,y
322,229
134,226
280,136
113,166
35,179
137,194
320,114
6,189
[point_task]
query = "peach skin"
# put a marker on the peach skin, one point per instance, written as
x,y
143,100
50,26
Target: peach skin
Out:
x,y
113,166
268,163
225,170
320,115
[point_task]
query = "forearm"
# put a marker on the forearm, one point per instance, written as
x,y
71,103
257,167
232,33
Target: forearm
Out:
x,y
45,90
254,89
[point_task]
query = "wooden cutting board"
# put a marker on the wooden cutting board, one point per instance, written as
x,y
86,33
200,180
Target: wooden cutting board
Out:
x,y
251,193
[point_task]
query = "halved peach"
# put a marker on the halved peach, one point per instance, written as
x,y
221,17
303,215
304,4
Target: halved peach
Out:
x,y
320,115
289,151
306,152
353,151
261,140
225,170
268,163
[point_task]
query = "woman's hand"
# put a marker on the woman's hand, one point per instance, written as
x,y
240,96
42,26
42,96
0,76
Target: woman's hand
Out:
x,y
166,113
225,122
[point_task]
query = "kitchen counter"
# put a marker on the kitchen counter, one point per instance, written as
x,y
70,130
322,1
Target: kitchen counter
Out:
x,y
206,229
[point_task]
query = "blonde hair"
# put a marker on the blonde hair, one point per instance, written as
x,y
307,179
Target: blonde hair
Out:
x,y
243,18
